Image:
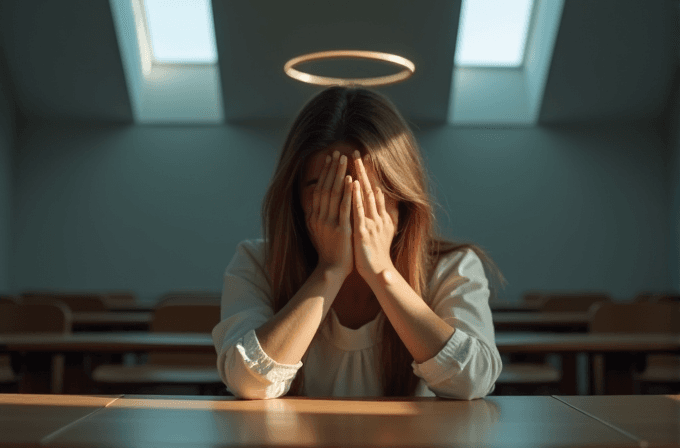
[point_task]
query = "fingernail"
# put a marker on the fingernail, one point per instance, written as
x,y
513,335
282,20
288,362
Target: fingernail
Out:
x,y
328,159
343,159
357,154
336,154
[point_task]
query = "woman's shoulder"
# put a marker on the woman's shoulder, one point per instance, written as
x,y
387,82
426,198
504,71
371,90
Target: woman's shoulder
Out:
x,y
456,268
247,267
461,261
253,246
249,254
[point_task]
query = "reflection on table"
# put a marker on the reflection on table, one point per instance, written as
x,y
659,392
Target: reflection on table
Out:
x,y
293,421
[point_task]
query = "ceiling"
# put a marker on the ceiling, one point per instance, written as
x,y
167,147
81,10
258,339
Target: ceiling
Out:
x,y
614,60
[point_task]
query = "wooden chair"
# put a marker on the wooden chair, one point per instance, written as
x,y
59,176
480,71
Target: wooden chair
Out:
x,y
174,315
639,317
54,317
75,301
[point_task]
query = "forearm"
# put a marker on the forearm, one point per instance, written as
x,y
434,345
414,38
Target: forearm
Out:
x,y
423,332
286,336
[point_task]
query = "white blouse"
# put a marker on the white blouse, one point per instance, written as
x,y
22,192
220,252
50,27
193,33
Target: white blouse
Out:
x,y
342,362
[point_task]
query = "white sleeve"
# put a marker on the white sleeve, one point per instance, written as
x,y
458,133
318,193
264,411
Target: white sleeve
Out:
x,y
469,364
247,303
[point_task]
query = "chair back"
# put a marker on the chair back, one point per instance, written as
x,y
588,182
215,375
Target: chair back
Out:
x,y
35,317
635,317
75,302
572,302
177,315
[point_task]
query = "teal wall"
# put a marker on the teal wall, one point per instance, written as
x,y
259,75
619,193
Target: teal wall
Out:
x,y
673,176
559,208
154,208
7,147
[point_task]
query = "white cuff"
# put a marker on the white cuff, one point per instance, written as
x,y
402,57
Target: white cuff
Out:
x,y
448,362
259,362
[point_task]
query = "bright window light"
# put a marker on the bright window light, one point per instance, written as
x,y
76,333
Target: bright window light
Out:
x,y
493,33
181,31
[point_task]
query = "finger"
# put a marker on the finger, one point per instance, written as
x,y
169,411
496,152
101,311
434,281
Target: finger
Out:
x,y
359,219
346,205
372,211
327,185
336,193
319,187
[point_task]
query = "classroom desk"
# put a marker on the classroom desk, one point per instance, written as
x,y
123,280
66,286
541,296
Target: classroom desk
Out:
x,y
650,418
111,321
532,321
618,349
621,353
133,421
503,321
84,351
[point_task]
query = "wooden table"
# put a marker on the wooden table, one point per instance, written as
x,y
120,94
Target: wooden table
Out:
x,y
540,321
647,418
111,321
615,347
28,419
133,421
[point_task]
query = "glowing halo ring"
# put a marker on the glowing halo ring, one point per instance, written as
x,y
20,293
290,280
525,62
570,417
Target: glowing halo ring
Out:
x,y
407,72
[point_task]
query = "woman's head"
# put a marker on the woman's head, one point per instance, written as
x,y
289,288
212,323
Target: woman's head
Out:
x,y
347,119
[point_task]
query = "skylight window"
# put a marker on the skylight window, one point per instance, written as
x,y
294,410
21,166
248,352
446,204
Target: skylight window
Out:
x,y
181,31
493,33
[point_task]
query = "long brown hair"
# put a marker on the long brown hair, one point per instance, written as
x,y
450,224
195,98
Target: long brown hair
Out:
x,y
369,120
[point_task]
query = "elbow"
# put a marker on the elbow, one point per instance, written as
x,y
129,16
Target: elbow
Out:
x,y
476,380
468,394
243,383
485,381
249,394
257,392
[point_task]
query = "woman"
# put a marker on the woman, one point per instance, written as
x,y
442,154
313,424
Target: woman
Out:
x,y
350,293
